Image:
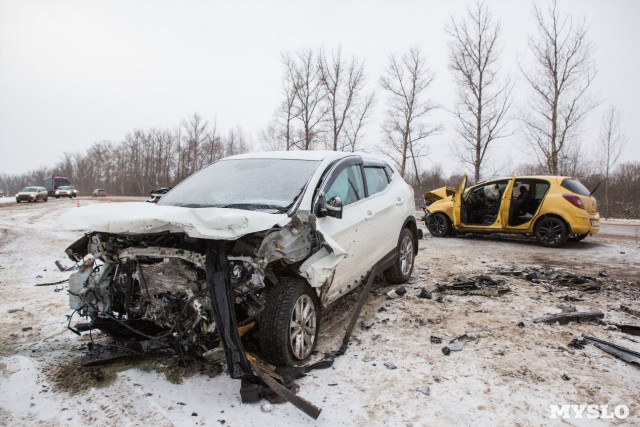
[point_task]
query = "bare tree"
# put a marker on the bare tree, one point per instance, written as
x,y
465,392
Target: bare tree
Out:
x,y
281,134
483,100
406,81
353,128
562,73
610,146
309,97
343,82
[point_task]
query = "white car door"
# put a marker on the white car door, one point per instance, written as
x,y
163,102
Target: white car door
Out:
x,y
354,233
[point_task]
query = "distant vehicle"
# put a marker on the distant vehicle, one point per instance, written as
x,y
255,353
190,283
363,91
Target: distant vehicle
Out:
x,y
554,209
32,194
74,191
53,182
64,191
99,192
1,193
157,193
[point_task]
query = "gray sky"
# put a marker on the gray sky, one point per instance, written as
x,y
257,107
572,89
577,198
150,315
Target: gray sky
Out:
x,y
76,72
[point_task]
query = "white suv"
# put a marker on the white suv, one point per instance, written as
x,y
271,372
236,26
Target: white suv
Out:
x,y
254,243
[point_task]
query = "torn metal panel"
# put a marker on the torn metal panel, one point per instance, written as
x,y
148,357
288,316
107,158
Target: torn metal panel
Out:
x,y
292,243
320,267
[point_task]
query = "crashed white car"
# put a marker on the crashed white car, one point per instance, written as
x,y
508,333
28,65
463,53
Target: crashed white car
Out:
x,y
243,254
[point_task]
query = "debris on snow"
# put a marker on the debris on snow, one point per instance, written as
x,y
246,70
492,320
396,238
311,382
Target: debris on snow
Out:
x,y
620,352
395,293
572,316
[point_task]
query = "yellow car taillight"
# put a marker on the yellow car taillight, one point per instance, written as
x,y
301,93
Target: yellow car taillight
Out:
x,y
574,200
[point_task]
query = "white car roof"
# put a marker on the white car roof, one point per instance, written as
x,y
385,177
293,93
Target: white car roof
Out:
x,y
318,155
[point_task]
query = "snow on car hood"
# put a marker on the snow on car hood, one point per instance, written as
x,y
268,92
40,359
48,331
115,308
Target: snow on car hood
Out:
x,y
143,218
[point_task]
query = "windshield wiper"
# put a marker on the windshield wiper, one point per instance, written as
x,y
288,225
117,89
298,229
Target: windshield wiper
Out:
x,y
255,206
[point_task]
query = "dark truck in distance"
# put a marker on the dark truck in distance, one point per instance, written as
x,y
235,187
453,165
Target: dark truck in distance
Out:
x,y
52,183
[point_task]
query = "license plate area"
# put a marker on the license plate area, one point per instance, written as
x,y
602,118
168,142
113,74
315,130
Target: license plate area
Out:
x,y
594,223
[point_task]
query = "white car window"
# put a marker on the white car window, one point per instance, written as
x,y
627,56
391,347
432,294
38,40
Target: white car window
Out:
x,y
377,179
348,185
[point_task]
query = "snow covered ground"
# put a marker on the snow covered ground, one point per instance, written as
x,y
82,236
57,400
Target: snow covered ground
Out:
x,y
509,376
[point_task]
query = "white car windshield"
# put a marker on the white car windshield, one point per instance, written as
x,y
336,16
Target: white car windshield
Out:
x,y
251,184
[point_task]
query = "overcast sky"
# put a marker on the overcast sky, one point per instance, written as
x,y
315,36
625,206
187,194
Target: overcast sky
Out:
x,y
76,72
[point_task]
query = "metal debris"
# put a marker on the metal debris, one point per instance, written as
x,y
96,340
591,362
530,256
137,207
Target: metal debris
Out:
x,y
620,352
565,377
574,316
436,340
390,366
480,285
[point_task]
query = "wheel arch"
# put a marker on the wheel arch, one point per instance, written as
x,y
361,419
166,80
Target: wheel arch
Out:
x,y
411,224
551,214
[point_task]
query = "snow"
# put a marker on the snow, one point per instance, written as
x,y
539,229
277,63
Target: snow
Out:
x,y
509,376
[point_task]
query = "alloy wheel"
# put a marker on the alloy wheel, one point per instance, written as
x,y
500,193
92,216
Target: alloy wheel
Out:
x,y
302,327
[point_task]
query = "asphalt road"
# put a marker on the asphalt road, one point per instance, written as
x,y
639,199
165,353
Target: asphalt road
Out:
x,y
630,229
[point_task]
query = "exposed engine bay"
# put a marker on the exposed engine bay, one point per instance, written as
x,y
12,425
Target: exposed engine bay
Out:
x,y
160,289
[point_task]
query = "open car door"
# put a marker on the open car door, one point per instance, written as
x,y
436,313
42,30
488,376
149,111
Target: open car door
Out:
x,y
505,205
457,202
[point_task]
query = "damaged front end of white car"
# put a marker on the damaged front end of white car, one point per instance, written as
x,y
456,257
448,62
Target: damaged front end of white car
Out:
x,y
237,260
167,291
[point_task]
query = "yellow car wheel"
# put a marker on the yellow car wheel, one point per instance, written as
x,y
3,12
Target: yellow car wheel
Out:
x,y
439,225
551,231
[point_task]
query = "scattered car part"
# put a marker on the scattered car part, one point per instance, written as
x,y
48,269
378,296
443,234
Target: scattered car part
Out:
x,y
578,344
480,285
425,293
620,352
395,293
628,329
458,343
573,316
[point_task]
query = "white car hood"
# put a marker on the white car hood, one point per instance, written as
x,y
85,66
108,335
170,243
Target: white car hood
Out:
x,y
143,218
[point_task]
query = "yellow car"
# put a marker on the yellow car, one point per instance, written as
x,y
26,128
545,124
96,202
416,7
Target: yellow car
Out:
x,y
553,208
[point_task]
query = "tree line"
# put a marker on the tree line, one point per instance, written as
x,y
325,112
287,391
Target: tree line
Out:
x,y
142,161
326,104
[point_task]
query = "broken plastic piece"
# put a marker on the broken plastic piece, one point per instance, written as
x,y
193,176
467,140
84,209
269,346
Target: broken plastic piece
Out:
x,y
395,293
425,293
574,316
620,352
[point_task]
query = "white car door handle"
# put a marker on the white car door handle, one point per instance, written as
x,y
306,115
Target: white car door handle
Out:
x,y
399,201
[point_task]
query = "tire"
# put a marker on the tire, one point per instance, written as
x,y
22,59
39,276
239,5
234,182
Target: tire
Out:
x,y
439,225
57,197
551,232
46,199
17,201
286,304
403,267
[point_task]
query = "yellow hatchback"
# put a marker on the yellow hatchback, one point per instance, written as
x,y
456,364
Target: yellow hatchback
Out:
x,y
553,208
